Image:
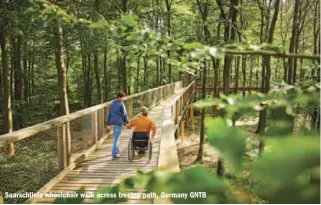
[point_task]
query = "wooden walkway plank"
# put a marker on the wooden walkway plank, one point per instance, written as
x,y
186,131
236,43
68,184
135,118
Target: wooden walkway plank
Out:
x,y
99,170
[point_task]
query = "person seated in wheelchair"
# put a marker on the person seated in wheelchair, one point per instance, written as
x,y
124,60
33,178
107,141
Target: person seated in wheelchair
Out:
x,y
143,125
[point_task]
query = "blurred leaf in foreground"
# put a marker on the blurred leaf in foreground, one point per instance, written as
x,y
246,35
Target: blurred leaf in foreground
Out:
x,y
229,141
283,170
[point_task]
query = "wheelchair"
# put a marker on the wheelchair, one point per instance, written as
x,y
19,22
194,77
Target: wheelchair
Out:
x,y
140,141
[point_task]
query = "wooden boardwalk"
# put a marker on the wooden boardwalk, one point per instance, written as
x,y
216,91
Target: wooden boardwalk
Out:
x,y
99,170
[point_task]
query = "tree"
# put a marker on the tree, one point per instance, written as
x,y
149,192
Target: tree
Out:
x,y
6,80
61,69
292,41
266,67
203,9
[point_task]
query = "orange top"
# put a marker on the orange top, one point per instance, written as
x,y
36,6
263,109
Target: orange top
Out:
x,y
143,124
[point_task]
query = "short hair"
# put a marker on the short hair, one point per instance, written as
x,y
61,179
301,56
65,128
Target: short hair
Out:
x,y
120,94
144,111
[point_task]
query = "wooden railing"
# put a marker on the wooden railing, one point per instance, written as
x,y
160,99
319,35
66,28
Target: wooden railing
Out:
x,y
177,106
58,145
180,107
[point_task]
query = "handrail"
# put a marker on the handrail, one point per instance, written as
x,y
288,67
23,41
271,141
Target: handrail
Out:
x,y
182,92
29,131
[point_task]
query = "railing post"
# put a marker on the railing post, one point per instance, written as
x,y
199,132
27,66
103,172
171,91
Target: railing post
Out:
x,y
159,94
142,100
154,96
182,129
177,111
192,117
101,123
10,148
181,105
130,108
94,127
1,199
62,147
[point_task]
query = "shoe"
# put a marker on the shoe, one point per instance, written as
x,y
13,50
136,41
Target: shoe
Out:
x,y
115,158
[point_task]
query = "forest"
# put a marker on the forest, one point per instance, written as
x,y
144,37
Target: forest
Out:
x,y
257,98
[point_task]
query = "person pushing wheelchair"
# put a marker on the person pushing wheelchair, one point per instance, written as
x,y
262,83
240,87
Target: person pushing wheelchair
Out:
x,y
143,124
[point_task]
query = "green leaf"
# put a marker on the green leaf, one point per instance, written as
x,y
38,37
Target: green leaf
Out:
x,y
272,47
229,141
99,24
193,45
129,20
196,179
283,169
209,103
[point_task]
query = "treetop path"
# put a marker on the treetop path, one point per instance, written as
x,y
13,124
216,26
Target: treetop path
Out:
x,y
74,150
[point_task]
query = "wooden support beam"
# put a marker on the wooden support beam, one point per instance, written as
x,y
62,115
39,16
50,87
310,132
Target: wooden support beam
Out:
x,y
10,149
192,117
177,110
176,134
182,130
142,100
101,123
94,127
1,199
68,142
130,108
181,106
61,147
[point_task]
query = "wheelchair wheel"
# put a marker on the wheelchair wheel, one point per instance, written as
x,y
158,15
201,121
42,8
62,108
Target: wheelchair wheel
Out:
x,y
150,150
131,152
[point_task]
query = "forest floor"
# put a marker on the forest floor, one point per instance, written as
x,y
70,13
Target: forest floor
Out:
x,y
243,185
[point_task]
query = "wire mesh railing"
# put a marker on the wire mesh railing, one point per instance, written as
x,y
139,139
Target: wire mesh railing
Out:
x,y
32,165
31,157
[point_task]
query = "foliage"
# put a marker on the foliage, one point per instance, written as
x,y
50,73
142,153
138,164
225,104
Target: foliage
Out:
x,y
116,33
223,138
282,171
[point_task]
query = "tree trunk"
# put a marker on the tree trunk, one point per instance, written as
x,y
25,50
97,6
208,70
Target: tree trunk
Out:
x,y
124,71
6,83
266,76
145,73
204,13
251,73
18,70
244,74
202,128
137,74
292,41
106,91
168,7
25,73
89,80
237,68
123,59
84,73
119,86
98,85
96,63
157,72
33,74
1,89
18,81
61,69
316,35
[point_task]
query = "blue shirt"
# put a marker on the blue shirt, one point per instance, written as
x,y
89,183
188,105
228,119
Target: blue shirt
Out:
x,y
117,114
